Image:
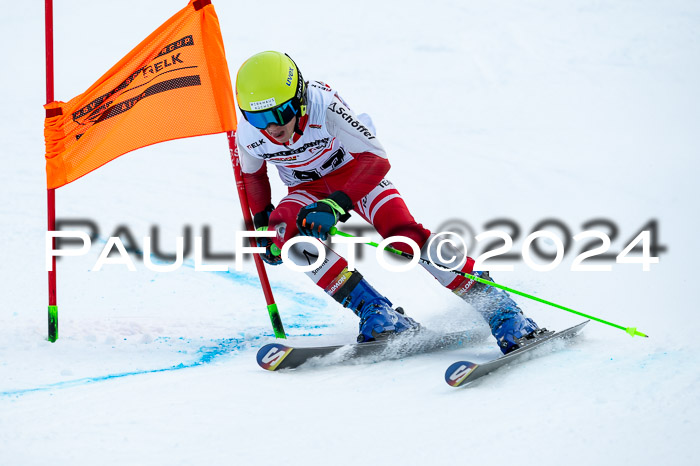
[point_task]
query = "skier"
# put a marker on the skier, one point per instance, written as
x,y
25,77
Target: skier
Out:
x,y
332,163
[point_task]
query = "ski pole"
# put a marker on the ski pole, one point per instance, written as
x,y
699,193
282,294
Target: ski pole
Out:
x,y
272,310
630,330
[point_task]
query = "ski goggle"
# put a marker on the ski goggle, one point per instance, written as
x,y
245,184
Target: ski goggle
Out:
x,y
280,115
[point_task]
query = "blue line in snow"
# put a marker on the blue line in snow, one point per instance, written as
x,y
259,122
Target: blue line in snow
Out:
x,y
206,355
306,301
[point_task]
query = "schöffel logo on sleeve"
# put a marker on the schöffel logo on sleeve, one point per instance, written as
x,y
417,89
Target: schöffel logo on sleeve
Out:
x,y
353,122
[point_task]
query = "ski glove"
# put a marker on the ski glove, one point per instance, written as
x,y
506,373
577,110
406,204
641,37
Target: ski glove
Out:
x,y
318,218
272,252
261,220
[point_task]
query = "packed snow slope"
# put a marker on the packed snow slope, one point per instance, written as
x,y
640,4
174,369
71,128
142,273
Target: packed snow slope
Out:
x,y
519,110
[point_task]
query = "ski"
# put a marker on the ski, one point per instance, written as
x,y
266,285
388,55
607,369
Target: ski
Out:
x,y
462,373
277,356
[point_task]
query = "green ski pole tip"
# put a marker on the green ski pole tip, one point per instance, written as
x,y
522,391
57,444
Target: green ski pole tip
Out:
x,y
633,332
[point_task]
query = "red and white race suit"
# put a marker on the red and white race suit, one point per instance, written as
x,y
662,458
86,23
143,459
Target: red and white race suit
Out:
x,y
338,151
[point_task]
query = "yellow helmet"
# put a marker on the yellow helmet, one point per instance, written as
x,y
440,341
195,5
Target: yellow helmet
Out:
x,y
270,89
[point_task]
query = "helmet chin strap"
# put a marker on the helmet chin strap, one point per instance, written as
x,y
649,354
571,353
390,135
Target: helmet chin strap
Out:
x,y
297,129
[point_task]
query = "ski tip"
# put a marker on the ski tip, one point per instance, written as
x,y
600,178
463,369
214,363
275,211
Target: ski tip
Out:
x,y
457,373
270,356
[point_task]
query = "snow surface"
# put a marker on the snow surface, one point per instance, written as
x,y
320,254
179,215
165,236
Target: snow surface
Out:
x,y
507,109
